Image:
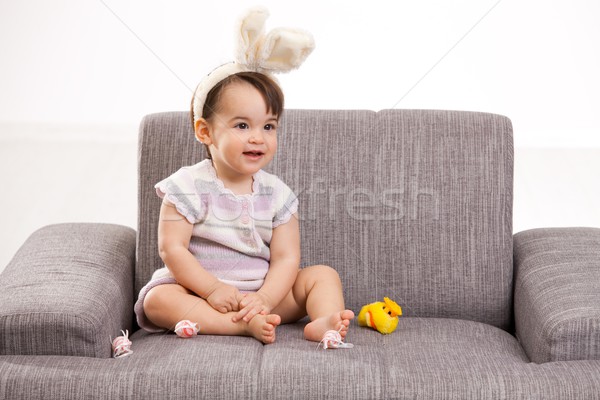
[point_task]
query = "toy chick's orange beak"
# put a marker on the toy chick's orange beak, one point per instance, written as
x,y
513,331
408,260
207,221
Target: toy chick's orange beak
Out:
x,y
393,307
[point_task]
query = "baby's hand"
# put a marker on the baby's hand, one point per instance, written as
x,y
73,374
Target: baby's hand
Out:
x,y
251,305
224,298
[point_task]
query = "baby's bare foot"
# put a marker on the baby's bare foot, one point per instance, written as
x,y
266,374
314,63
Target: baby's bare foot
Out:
x,y
315,330
262,327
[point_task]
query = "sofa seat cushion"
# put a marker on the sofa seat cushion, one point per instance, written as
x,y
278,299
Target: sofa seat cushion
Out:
x,y
423,359
454,356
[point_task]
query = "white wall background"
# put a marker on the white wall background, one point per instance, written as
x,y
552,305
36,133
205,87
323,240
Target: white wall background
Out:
x,y
86,71
108,61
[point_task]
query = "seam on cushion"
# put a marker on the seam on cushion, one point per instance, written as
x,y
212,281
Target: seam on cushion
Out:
x,y
86,320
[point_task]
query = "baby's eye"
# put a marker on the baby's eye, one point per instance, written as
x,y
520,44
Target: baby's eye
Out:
x,y
270,127
242,125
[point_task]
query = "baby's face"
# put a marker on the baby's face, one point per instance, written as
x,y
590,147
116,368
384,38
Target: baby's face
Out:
x,y
243,132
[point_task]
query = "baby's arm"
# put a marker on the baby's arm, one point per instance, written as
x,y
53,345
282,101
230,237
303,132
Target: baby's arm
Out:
x,y
174,234
283,270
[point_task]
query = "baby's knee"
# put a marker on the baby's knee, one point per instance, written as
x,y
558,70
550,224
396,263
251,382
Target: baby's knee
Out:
x,y
153,300
157,298
324,272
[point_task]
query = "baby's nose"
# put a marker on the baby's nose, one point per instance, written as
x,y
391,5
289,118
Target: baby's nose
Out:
x,y
256,136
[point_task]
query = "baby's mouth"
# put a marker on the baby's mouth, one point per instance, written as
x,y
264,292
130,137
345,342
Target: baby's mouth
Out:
x,y
254,153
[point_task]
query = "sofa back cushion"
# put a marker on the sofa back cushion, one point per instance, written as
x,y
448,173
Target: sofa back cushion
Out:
x,y
414,205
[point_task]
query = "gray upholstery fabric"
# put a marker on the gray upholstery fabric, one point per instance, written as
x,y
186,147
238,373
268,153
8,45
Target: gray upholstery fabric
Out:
x,y
424,359
414,205
68,290
162,366
557,293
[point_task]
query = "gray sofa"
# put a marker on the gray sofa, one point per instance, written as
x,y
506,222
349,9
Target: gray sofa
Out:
x,y
411,204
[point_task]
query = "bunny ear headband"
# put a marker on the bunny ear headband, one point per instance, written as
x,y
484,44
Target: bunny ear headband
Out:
x,y
280,50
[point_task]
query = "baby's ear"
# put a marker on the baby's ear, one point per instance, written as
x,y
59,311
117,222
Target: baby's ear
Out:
x,y
285,49
202,132
252,27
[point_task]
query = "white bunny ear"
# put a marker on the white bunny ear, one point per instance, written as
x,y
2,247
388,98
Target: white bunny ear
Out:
x,y
281,50
284,49
251,34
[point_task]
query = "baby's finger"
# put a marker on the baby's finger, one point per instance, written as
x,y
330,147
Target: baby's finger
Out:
x,y
221,309
243,303
241,314
227,306
250,315
239,297
254,312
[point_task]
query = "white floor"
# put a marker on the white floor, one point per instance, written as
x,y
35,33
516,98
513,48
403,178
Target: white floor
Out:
x,y
65,180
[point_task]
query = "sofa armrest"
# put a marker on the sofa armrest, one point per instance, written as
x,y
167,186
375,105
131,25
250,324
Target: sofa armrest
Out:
x,y
68,290
557,293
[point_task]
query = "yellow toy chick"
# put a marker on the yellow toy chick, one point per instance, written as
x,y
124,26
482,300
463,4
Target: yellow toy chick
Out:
x,y
381,316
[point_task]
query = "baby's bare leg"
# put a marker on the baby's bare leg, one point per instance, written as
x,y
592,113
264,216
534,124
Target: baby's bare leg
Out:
x,y
318,293
166,305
